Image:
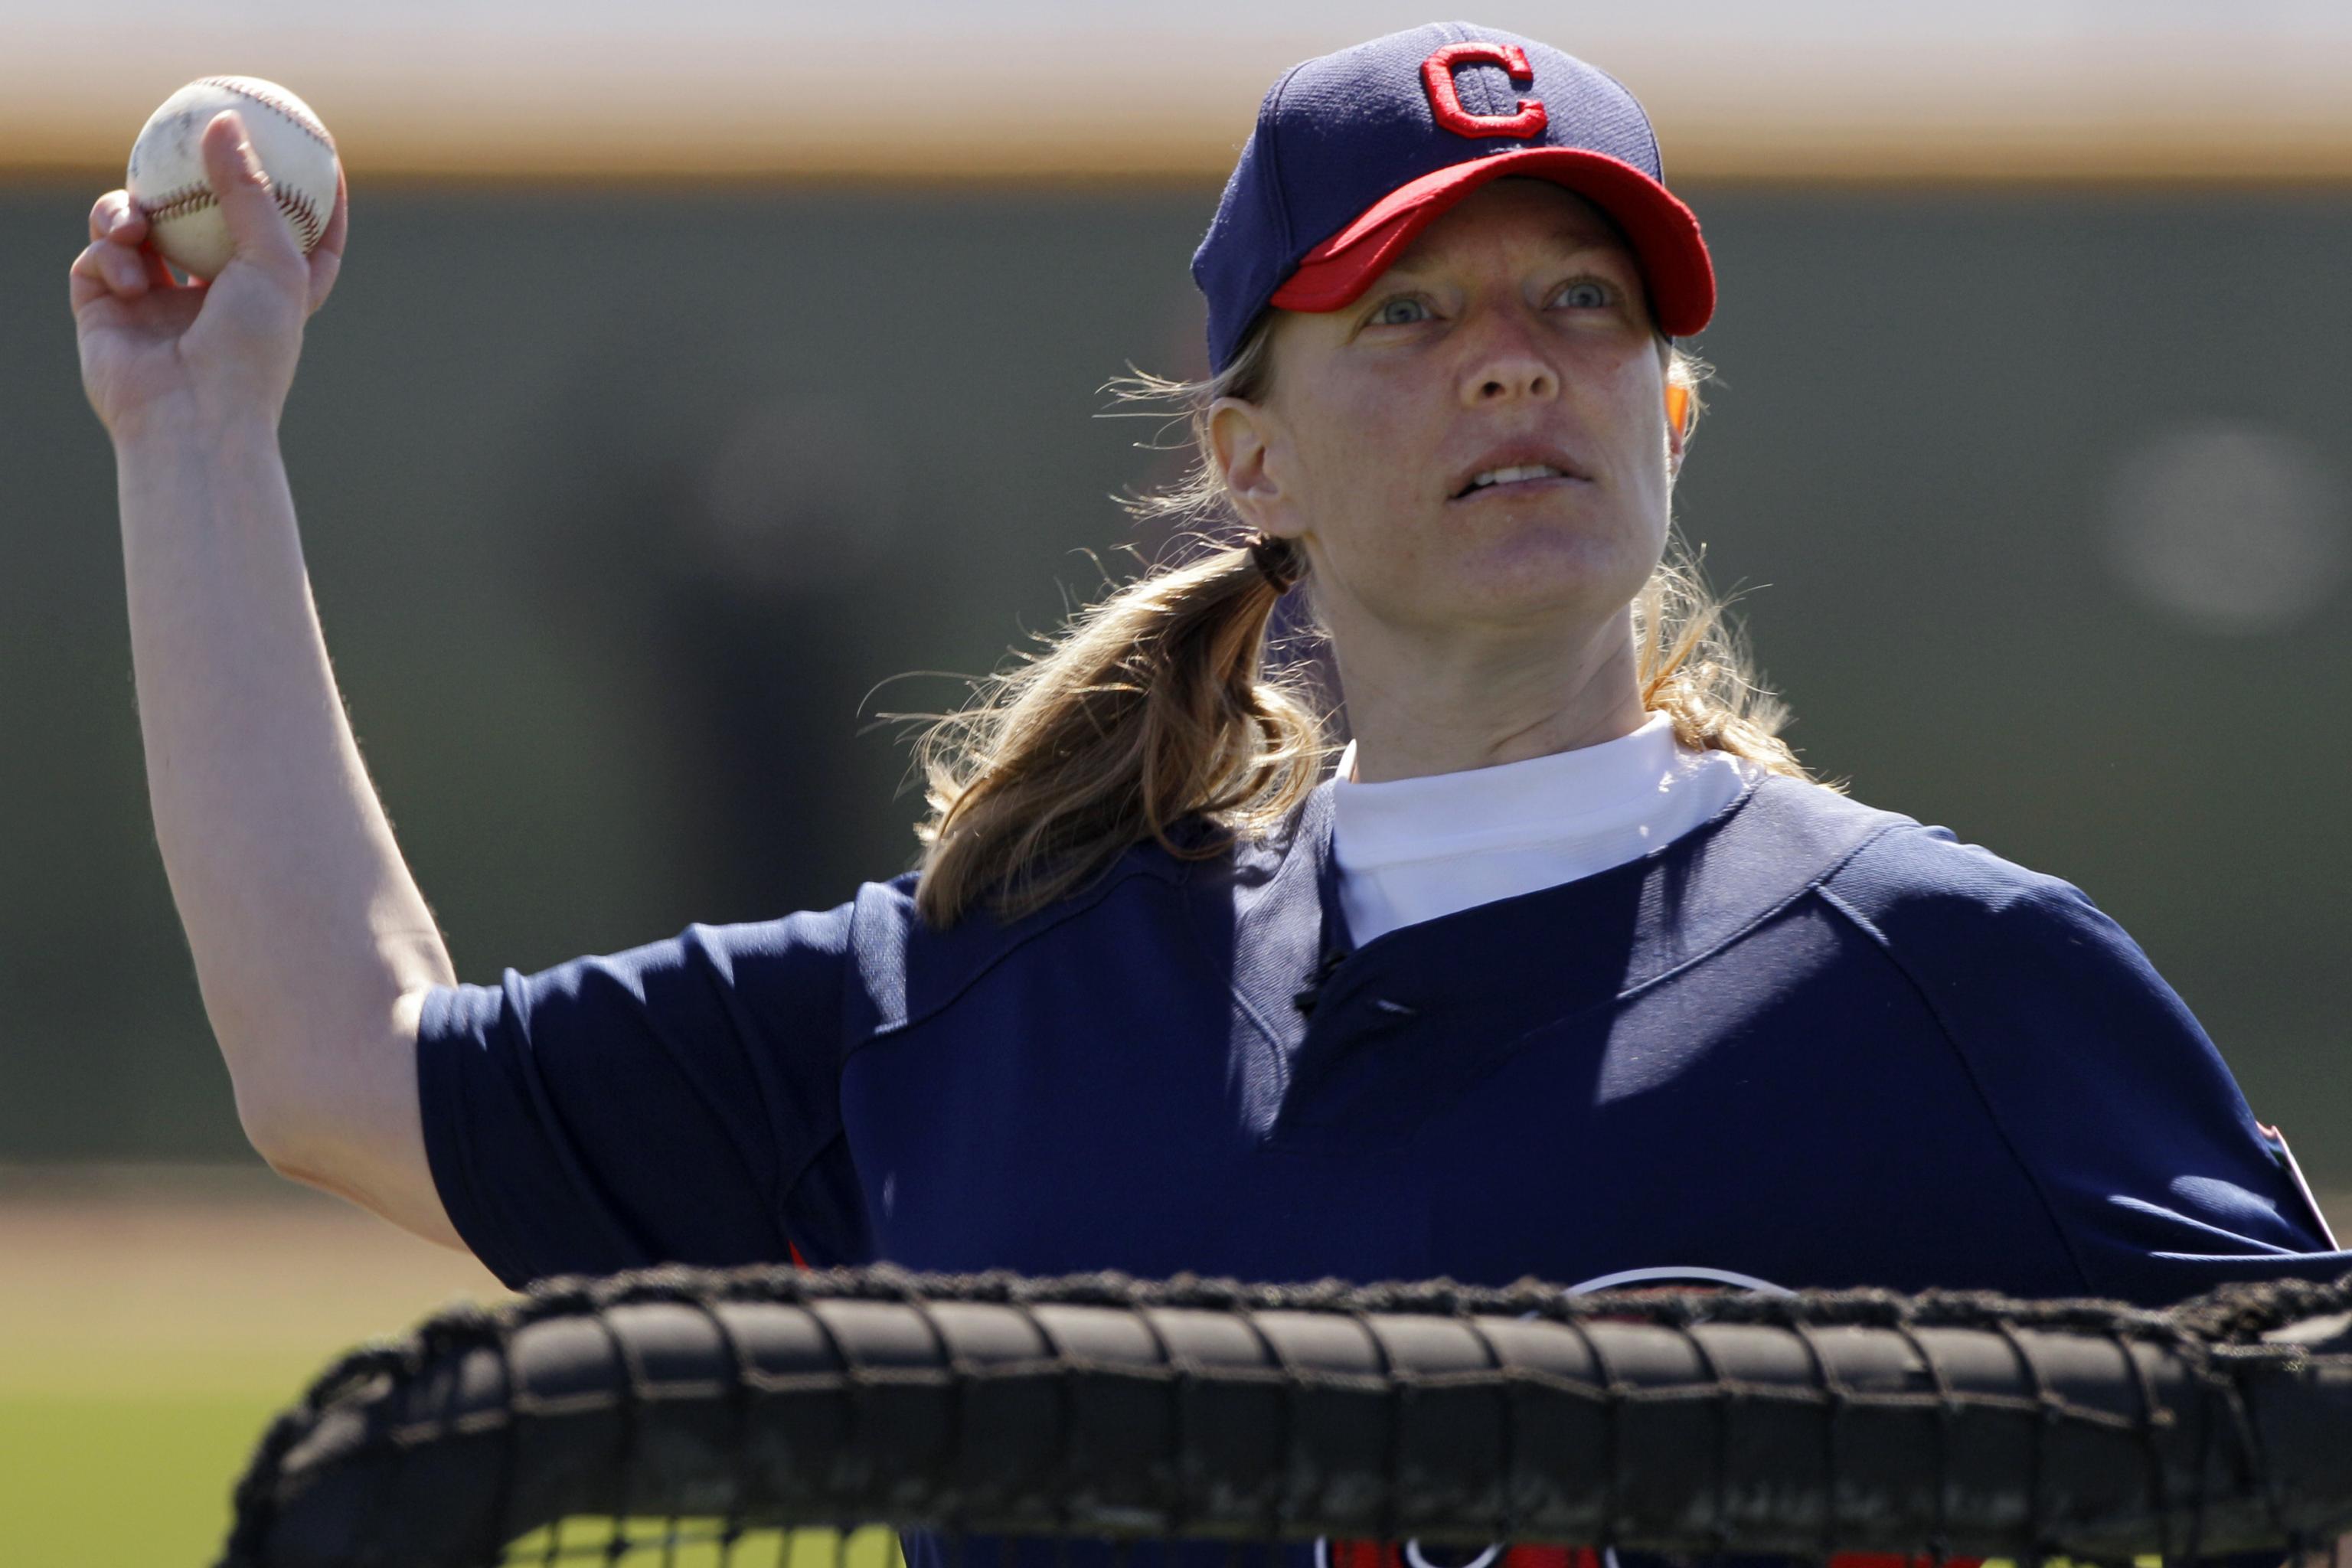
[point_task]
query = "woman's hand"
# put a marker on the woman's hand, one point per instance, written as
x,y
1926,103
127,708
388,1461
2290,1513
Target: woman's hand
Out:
x,y
225,348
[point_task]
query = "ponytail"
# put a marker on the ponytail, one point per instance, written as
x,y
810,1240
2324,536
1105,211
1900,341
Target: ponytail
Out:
x,y
1156,703
1152,706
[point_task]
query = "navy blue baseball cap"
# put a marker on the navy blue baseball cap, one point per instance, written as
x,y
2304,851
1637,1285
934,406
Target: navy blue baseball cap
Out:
x,y
1355,153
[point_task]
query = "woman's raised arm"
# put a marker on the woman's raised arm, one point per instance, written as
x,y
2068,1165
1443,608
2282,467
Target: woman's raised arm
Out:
x,y
313,947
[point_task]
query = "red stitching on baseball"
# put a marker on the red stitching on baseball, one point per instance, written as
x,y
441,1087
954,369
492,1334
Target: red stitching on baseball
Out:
x,y
270,100
299,210
186,199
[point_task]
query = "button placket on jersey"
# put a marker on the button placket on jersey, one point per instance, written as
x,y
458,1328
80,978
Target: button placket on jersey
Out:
x,y
1354,1008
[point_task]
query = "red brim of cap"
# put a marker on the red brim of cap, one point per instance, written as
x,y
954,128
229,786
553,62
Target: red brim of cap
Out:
x,y
1664,234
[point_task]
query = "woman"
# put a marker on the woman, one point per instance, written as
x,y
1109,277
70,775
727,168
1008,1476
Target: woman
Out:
x,y
1570,972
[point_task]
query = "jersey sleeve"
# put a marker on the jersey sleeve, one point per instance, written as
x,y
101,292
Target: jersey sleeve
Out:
x,y
2103,1085
666,1104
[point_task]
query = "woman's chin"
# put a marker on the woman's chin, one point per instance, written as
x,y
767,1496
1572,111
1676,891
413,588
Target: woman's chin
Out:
x,y
1544,574
1563,602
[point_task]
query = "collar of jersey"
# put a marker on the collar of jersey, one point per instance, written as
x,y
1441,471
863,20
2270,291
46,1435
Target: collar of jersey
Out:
x,y
1537,801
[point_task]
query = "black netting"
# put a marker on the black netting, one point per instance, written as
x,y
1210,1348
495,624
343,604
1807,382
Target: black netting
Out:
x,y
721,1416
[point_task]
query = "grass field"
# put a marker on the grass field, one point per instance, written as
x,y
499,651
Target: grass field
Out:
x,y
151,1323
153,1320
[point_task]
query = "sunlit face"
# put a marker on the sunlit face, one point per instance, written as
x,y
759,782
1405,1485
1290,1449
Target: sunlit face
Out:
x,y
1513,332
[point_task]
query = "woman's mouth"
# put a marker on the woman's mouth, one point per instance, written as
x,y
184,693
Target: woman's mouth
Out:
x,y
1519,476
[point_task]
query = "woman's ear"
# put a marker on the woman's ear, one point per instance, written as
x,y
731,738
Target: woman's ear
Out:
x,y
1678,410
1243,441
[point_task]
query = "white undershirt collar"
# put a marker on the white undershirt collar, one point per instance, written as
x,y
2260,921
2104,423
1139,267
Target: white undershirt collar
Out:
x,y
1411,849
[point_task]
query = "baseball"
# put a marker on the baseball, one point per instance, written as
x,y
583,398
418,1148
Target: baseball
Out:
x,y
167,168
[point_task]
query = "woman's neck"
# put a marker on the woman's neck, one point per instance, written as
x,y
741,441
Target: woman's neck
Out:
x,y
1417,709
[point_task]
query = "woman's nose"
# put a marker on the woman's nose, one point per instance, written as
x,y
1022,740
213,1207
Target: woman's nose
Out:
x,y
1507,365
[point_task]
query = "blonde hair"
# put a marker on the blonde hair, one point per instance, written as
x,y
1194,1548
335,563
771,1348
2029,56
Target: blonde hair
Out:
x,y
1156,703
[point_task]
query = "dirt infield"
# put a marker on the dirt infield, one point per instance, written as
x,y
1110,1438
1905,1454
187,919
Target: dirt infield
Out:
x,y
139,1280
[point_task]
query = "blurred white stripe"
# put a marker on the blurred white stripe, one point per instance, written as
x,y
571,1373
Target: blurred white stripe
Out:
x,y
2003,87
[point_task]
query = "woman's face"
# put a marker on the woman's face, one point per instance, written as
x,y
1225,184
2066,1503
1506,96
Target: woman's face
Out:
x,y
1514,332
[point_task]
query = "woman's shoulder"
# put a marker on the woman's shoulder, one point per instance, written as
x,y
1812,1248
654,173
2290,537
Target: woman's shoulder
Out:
x,y
1905,871
1958,914
906,967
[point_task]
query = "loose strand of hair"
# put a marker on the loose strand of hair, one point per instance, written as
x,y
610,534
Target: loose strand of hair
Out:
x,y
1134,718
1159,702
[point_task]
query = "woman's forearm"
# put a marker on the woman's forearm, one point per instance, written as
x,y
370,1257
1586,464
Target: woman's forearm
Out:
x,y
312,942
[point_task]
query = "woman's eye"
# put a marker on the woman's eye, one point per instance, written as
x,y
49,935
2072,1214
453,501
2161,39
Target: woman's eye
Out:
x,y
1586,293
1401,311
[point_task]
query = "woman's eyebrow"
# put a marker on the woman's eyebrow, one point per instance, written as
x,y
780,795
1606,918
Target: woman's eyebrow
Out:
x,y
1572,243
1573,240
1567,242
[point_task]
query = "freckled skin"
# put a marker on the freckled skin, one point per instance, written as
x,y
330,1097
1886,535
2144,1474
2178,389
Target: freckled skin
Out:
x,y
1488,330
1370,423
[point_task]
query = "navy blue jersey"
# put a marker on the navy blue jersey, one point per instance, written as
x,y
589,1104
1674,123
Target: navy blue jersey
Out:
x,y
1806,1044
1809,1042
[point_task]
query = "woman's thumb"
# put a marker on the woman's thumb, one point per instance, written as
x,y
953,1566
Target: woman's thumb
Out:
x,y
248,204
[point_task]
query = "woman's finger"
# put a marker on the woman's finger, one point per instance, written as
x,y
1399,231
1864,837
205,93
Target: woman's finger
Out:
x,y
257,229
327,255
159,275
115,215
126,272
113,266
338,222
88,280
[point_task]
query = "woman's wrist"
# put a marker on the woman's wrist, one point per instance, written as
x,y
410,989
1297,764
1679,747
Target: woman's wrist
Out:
x,y
185,476
180,425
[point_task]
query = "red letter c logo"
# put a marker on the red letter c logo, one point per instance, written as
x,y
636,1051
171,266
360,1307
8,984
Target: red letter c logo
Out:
x,y
1437,76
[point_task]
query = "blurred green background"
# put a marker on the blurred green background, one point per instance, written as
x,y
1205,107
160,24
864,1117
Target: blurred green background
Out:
x,y
620,516
634,504
623,515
